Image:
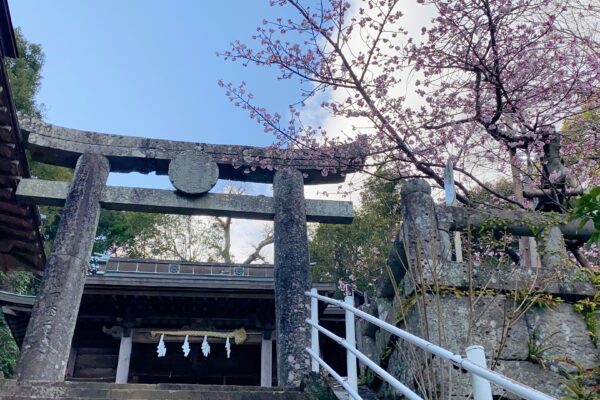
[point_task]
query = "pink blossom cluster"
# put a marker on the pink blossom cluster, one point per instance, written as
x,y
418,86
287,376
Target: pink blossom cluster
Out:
x,y
487,83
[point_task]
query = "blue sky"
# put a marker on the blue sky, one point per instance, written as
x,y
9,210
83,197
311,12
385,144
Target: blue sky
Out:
x,y
149,68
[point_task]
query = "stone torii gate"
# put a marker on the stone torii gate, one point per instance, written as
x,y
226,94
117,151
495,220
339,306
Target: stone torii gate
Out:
x,y
194,169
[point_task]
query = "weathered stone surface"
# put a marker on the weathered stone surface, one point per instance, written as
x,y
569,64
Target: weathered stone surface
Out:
x,y
514,332
450,323
395,270
369,348
559,333
557,280
533,375
292,279
62,146
193,172
456,384
560,329
166,201
46,346
315,387
371,340
552,249
563,331
554,258
445,234
385,310
424,248
367,328
9,390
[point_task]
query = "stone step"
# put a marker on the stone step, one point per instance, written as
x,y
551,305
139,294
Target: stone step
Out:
x,y
106,391
149,386
159,394
200,396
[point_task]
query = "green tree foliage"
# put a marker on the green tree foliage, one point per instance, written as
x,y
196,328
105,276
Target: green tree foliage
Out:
x,y
357,253
16,282
8,350
577,132
587,207
50,215
25,74
127,234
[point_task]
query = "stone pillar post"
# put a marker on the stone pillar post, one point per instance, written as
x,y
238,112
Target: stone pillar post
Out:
x,y
47,343
292,279
554,252
420,233
556,272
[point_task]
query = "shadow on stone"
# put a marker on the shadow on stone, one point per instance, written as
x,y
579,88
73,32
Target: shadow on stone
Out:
x,y
316,387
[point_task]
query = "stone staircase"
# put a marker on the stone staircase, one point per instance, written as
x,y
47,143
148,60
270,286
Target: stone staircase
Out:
x,y
110,391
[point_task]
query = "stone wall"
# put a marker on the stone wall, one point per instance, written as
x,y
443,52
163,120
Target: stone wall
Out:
x,y
523,317
557,336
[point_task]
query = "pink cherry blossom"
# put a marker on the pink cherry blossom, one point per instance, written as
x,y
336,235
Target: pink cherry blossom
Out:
x,y
487,83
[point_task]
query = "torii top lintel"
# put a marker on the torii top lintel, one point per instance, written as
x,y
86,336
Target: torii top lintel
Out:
x,y
62,146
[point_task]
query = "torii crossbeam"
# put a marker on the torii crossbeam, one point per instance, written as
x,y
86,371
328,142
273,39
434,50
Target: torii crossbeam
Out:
x,y
57,145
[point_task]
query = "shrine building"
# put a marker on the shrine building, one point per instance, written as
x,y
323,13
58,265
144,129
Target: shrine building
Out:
x,y
125,301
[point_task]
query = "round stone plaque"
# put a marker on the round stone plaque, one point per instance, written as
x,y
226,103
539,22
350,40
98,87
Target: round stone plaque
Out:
x,y
193,172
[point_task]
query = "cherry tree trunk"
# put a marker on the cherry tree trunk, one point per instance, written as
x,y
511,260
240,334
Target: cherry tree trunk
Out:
x,y
47,343
292,279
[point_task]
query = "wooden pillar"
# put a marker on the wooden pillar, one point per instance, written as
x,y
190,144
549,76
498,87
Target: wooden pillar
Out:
x,y
47,343
124,356
292,279
266,360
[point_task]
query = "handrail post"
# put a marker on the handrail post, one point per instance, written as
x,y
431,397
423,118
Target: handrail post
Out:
x,y
482,389
314,333
351,340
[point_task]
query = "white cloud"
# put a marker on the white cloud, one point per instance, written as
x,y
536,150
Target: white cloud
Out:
x,y
415,17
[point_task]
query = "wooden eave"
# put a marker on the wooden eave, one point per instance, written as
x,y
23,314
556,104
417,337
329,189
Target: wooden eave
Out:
x,y
107,292
186,286
17,311
21,245
13,299
7,34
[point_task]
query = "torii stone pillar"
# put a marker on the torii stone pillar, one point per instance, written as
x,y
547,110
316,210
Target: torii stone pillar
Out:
x,y
292,278
47,343
421,238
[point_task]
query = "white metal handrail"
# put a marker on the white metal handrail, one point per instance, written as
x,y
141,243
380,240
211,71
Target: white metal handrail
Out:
x,y
475,363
